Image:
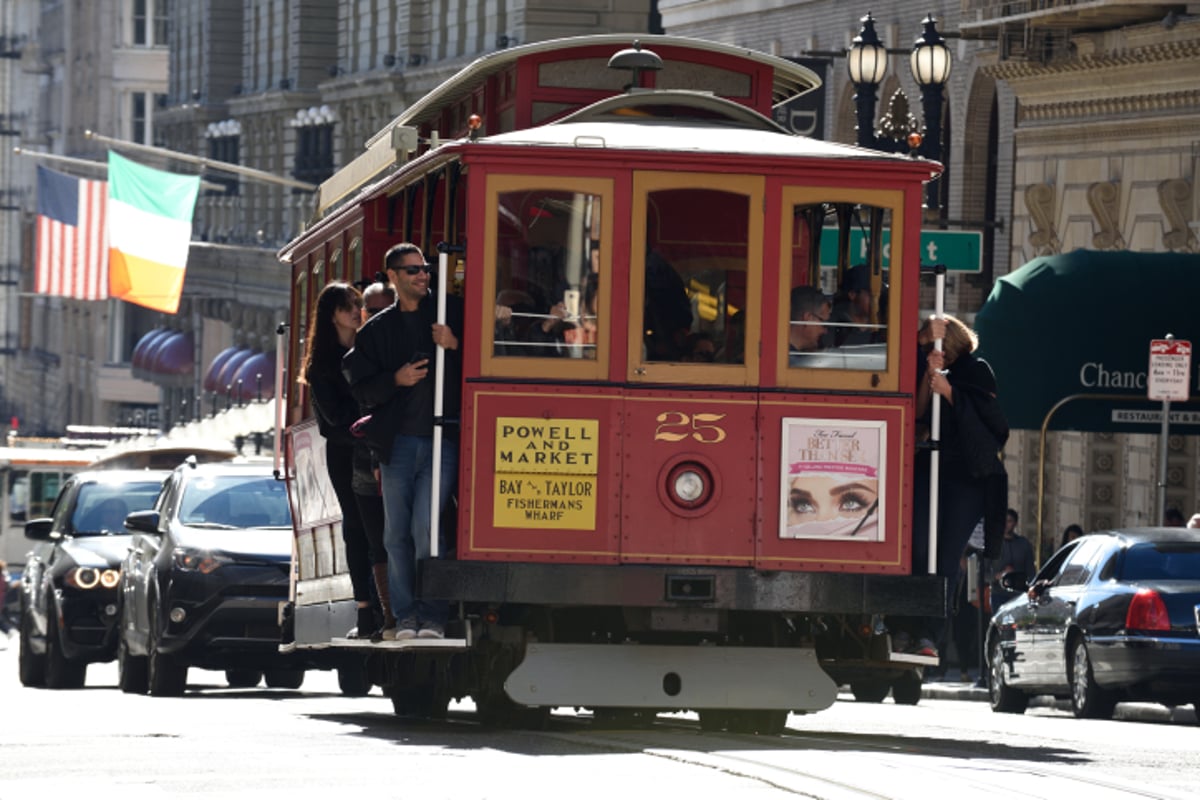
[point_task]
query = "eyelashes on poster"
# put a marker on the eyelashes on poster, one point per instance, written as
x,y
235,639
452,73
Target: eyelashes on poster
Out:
x,y
832,474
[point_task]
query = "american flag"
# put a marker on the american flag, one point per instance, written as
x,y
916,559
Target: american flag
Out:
x,y
72,238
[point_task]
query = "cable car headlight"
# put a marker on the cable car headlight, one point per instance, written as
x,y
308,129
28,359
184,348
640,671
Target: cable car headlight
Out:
x,y
689,485
110,578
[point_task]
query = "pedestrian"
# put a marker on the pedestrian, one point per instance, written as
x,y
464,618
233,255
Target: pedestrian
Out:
x,y
335,322
1016,555
391,372
1173,517
1071,533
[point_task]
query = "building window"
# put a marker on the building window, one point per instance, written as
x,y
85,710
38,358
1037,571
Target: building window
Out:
x,y
150,23
314,144
224,141
141,115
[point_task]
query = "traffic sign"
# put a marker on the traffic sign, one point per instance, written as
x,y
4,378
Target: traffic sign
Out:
x,y
960,251
1170,368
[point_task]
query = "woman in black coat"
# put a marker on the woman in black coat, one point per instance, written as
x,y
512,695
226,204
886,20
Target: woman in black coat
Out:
x,y
334,325
972,483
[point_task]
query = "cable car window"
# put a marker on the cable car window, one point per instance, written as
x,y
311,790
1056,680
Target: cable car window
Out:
x,y
548,274
838,302
695,276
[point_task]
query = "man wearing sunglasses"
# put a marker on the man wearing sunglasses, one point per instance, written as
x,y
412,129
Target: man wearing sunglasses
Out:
x,y
391,373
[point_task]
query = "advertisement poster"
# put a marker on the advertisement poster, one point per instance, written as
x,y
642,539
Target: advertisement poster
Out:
x,y
833,474
314,501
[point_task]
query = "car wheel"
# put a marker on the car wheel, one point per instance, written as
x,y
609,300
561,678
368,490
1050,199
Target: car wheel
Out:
x,y
166,676
1088,700
30,665
285,678
353,679
869,691
61,672
1004,699
906,691
132,677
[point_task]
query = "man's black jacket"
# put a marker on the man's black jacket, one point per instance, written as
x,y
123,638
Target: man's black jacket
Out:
x,y
380,348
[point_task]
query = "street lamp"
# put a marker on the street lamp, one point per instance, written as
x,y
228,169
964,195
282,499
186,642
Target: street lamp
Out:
x,y
930,61
930,64
867,63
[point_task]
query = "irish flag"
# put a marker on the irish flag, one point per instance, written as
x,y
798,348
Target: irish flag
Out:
x,y
149,230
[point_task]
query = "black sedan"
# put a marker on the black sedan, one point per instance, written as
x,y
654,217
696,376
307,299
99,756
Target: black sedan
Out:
x,y
205,580
69,599
1112,616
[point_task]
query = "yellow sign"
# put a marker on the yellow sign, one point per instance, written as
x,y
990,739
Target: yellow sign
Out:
x,y
532,444
546,473
545,501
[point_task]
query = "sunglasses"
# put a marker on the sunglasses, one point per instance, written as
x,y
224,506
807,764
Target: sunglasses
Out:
x,y
414,269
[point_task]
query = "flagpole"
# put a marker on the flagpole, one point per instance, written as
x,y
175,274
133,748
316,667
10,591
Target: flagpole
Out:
x,y
203,163
99,166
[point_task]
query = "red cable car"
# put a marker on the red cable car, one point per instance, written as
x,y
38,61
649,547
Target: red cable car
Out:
x,y
682,485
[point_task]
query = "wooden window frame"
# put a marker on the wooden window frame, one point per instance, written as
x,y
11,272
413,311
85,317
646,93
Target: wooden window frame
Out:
x,y
842,379
551,369
753,187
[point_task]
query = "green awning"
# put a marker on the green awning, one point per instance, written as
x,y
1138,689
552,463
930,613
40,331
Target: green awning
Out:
x,y
1081,323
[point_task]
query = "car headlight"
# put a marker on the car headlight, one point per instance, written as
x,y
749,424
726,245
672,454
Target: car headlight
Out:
x,y
201,561
85,578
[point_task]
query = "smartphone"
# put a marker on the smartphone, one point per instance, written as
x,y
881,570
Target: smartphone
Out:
x,y
571,303
419,356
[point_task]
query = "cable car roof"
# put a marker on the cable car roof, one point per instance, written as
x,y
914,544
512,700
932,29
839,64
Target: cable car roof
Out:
x,y
689,122
789,78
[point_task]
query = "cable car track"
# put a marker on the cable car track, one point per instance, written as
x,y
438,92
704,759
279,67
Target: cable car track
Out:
x,y
903,769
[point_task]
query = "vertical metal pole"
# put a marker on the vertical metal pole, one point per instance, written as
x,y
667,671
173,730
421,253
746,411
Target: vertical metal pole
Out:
x,y
935,427
1162,462
439,391
281,344
1164,431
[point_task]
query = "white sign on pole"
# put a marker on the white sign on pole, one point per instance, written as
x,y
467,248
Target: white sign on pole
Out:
x,y
1170,366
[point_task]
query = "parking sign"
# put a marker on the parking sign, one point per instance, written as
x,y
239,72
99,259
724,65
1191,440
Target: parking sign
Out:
x,y
1170,366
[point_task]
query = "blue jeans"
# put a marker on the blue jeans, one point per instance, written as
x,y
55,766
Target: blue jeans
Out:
x,y
407,481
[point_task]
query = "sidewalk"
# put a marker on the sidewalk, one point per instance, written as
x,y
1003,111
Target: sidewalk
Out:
x,y
950,689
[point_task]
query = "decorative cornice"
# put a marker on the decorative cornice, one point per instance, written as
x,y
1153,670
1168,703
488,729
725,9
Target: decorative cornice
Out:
x,y
1017,70
1184,100
1070,133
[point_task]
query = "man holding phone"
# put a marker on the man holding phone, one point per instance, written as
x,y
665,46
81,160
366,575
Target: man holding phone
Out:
x,y
391,373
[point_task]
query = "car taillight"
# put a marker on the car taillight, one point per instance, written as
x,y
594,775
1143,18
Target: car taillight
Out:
x,y
1147,612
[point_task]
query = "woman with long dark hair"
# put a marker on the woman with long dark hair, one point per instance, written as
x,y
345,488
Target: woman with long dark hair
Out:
x,y
334,325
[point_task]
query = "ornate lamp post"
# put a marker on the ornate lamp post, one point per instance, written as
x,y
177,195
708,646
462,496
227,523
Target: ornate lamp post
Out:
x,y
867,64
930,61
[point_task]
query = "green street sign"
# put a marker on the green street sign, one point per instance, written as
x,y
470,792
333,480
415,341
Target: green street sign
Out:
x,y
960,251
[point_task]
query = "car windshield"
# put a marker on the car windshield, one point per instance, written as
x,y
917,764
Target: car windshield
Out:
x,y
235,501
101,507
1162,561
